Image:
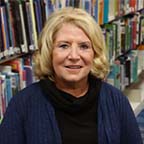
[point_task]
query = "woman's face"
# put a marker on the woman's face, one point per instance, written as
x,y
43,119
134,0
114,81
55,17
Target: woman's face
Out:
x,y
72,55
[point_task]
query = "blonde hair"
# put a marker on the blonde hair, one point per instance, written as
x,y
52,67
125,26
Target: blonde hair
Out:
x,y
43,57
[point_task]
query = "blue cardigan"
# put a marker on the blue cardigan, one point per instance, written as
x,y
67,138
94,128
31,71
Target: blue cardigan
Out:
x,y
30,119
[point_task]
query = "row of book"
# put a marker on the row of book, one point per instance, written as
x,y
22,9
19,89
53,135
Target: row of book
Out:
x,y
124,35
18,74
14,76
21,21
125,70
119,8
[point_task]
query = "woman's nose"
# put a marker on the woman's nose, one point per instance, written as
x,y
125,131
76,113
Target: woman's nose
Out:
x,y
74,52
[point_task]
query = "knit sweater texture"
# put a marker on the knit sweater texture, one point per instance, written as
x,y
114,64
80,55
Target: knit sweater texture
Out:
x,y
76,116
30,119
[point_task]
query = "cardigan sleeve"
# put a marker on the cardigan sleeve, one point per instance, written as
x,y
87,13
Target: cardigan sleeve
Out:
x,y
117,122
130,133
11,128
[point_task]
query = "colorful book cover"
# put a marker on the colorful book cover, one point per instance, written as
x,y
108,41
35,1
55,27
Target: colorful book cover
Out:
x,y
4,31
114,75
28,74
111,10
95,10
43,13
24,47
33,24
17,66
100,11
87,6
30,34
10,28
1,39
132,5
1,113
17,23
106,11
3,94
38,15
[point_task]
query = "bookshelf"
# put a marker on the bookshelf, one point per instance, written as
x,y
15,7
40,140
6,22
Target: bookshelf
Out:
x,y
21,22
10,58
135,93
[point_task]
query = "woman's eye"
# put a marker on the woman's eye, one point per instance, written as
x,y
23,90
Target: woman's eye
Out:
x,y
84,46
64,46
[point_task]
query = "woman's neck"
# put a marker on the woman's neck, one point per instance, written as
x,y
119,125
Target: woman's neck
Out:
x,y
74,88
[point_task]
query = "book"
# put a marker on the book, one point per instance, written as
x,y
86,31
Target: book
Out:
x,y
122,76
17,23
106,11
43,13
141,30
114,31
100,11
3,95
1,114
111,10
24,47
1,39
10,30
17,67
12,81
33,24
114,75
28,74
95,10
4,24
132,5
87,6
38,16
11,22
30,32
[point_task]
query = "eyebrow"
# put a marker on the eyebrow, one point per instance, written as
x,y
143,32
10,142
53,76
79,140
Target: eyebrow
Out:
x,y
56,43
86,42
83,42
61,41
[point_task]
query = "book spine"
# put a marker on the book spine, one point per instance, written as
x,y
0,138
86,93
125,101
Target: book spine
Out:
x,y
1,38
33,23
30,27
24,46
3,94
4,31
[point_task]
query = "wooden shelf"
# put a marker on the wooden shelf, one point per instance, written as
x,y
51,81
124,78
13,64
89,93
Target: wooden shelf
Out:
x,y
135,94
9,58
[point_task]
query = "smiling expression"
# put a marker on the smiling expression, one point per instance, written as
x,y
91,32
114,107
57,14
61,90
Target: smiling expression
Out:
x,y
72,55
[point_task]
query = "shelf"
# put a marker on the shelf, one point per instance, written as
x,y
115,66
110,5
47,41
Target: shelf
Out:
x,y
136,99
137,107
9,58
135,94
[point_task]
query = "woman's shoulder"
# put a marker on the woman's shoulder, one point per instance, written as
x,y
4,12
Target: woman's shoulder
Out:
x,y
27,94
26,99
32,88
109,91
113,99
110,88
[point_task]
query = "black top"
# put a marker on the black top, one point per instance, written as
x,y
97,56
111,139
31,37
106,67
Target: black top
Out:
x,y
76,117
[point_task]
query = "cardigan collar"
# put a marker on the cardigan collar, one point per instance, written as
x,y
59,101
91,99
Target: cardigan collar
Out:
x,y
66,101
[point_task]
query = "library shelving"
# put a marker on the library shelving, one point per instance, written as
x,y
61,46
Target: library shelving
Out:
x,y
21,22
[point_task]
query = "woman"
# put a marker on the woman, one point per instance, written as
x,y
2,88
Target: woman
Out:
x,y
70,104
